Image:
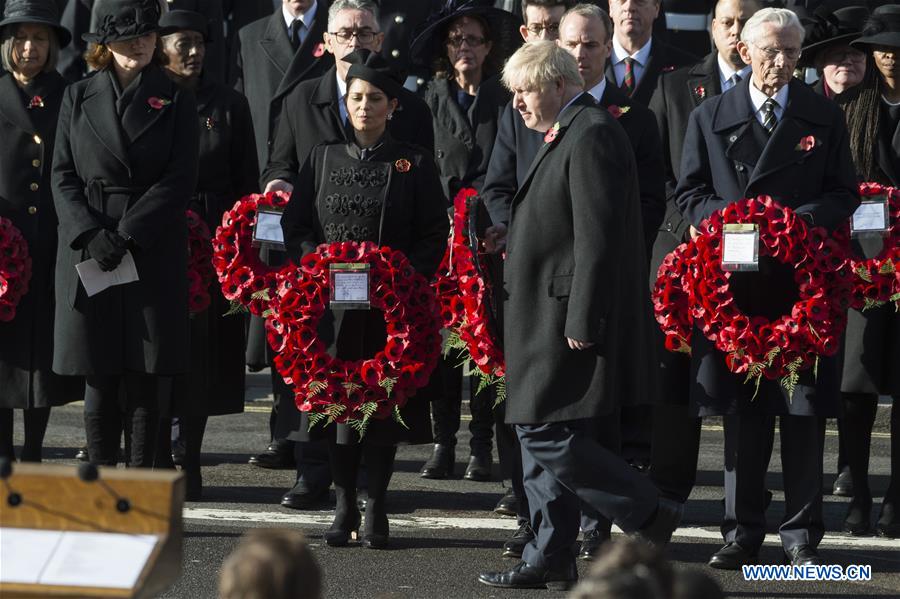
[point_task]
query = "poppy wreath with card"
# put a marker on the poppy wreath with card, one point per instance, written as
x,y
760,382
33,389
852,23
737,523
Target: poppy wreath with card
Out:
x,y
245,279
877,279
200,269
354,392
753,345
465,294
15,269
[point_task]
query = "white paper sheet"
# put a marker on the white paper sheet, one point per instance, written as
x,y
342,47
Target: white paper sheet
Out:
x,y
268,227
351,286
739,248
23,553
869,217
96,280
111,560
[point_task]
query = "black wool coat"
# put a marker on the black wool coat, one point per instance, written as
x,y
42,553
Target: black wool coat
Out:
x,y
26,157
574,268
464,140
663,59
721,164
150,155
268,68
311,116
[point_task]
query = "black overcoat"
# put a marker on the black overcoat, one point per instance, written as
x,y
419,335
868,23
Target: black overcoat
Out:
x,y
721,164
463,140
663,59
311,116
26,155
151,156
575,268
268,68
677,94
415,223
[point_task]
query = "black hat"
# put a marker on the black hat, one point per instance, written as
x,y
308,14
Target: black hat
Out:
x,y
122,20
183,20
841,26
42,12
503,25
882,29
372,67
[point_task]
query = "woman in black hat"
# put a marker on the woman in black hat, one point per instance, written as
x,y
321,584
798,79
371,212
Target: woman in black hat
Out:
x,y
125,167
840,66
215,385
31,91
410,216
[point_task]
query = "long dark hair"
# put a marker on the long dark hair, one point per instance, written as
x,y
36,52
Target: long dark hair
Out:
x,y
863,110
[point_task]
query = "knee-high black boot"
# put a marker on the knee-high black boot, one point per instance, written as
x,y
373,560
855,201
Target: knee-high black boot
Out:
x,y
102,419
344,461
36,420
859,417
380,463
163,458
192,428
888,524
6,434
141,418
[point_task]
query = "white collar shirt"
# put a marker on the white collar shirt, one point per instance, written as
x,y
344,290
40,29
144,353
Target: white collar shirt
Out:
x,y
342,98
598,90
641,58
757,98
726,72
306,17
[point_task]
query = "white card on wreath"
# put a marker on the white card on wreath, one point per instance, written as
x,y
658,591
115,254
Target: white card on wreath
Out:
x,y
740,247
870,217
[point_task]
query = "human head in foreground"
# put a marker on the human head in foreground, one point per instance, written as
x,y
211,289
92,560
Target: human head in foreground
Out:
x,y
271,563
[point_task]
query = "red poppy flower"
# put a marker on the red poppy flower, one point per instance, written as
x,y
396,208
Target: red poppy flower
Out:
x,y
158,103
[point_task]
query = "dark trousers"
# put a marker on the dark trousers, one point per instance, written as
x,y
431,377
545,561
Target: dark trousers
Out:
x,y
35,426
566,468
446,410
674,451
115,403
748,441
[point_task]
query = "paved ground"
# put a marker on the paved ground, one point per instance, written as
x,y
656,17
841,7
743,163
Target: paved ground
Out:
x,y
443,532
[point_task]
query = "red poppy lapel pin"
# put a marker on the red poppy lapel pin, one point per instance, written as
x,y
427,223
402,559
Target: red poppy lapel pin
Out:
x,y
551,133
807,143
617,111
700,92
319,50
157,103
403,165
36,102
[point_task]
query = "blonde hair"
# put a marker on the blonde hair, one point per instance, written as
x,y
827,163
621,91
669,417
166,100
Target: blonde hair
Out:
x,y
537,64
271,563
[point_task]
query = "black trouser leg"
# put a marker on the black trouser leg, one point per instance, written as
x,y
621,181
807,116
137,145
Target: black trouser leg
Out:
x,y
607,435
163,457
892,495
802,446
344,461
141,418
674,452
380,465
193,425
507,445
6,434
858,420
36,420
518,483
636,429
482,424
102,419
748,442
445,410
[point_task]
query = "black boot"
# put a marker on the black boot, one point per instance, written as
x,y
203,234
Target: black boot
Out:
x,y
163,458
859,417
35,427
344,461
192,428
380,463
441,463
6,435
888,524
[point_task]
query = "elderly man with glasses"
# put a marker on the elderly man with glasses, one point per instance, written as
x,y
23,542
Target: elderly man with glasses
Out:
x,y
743,144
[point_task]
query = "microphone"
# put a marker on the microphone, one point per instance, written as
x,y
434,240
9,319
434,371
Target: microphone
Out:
x,y
89,473
14,499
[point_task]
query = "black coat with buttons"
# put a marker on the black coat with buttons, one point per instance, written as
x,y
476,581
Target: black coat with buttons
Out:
x,y
464,139
724,161
26,343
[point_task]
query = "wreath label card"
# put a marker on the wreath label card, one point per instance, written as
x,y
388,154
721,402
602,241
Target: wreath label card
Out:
x,y
871,218
267,230
350,284
740,247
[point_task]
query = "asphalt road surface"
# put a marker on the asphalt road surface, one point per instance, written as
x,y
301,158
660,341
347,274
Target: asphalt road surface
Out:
x,y
443,532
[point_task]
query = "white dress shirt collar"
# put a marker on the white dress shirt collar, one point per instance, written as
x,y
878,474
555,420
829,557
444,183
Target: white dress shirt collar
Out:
x,y
306,17
757,98
598,90
641,56
727,71
342,97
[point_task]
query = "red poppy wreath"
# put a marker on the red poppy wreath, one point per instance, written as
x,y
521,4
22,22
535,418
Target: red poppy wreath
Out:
x,y
754,345
877,280
15,269
246,280
344,391
464,294
200,269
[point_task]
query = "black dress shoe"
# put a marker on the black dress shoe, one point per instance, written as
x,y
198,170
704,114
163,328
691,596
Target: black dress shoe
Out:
x,y
802,555
82,455
843,484
523,576
859,514
508,505
888,524
660,528
302,497
731,557
279,455
479,468
441,463
516,544
591,543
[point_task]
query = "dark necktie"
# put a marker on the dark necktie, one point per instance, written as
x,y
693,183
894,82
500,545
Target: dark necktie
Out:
x,y
768,113
734,80
628,79
296,27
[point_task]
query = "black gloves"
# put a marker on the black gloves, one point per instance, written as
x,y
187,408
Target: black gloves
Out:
x,y
107,248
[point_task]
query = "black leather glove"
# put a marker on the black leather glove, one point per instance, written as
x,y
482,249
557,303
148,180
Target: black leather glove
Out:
x,y
107,248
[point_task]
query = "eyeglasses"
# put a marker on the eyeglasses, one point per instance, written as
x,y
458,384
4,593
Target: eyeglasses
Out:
x,y
539,28
456,41
365,36
787,53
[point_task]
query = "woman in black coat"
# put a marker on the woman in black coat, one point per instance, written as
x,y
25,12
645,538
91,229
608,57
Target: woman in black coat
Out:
x,y
125,167
227,172
415,223
31,91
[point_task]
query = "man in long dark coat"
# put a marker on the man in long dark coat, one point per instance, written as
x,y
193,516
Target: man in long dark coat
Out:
x,y
744,144
576,319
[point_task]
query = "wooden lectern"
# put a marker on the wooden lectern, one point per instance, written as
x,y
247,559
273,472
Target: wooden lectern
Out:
x,y
118,536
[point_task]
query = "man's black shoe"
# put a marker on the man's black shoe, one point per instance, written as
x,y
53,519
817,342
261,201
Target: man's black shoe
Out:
x,y
843,484
301,497
479,468
279,455
591,543
888,524
82,455
516,544
731,557
523,576
660,528
802,555
441,462
508,505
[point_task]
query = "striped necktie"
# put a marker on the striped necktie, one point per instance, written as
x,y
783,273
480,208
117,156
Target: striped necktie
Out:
x,y
628,79
768,113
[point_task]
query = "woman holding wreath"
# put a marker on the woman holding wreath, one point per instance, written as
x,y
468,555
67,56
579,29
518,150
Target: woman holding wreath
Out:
x,y
125,167
373,189
31,91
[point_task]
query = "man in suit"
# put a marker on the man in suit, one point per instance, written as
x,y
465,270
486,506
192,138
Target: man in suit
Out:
x,y
637,57
576,307
676,433
314,112
743,144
